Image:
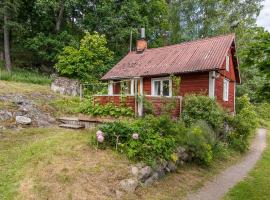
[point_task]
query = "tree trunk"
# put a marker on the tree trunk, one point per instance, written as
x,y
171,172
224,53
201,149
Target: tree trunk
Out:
x,y
60,16
6,42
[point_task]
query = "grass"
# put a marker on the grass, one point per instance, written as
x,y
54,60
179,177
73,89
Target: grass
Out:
x,y
257,185
35,163
61,164
25,76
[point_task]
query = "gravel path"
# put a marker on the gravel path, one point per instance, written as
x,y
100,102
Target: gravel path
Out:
x,y
217,188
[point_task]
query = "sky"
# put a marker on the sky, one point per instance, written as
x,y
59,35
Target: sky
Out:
x,y
264,17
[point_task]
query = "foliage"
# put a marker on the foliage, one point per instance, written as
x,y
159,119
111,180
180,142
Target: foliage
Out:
x,y
159,137
89,62
200,107
46,47
255,64
26,76
153,144
263,112
243,124
105,110
199,140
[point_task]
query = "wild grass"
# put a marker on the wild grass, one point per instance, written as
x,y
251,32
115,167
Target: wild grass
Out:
x,y
25,76
35,163
256,185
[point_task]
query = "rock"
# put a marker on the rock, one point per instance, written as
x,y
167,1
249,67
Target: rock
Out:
x,y
129,185
119,194
180,150
184,156
66,86
171,167
23,120
134,171
145,173
151,179
5,115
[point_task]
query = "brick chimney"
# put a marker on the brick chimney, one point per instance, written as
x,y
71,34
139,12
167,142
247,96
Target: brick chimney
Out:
x,y
141,43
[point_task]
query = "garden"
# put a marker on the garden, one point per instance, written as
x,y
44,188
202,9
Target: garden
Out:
x,y
205,131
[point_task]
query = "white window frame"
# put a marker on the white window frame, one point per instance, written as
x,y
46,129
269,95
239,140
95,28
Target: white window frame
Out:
x,y
161,86
227,62
226,89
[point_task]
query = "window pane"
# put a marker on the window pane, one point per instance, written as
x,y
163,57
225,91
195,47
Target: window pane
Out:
x,y
166,88
226,90
156,88
126,87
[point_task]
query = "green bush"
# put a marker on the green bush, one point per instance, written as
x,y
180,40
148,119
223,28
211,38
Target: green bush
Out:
x,y
88,62
243,124
152,146
263,112
159,137
105,110
199,140
200,107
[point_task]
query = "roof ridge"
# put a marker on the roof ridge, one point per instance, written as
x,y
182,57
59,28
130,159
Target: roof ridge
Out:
x,y
189,42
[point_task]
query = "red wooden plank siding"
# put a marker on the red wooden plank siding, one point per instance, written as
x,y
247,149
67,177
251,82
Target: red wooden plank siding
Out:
x,y
147,86
128,101
190,83
160,102
230,75
194,83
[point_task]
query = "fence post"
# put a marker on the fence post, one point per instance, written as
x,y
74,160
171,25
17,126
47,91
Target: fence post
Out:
x,y
81,92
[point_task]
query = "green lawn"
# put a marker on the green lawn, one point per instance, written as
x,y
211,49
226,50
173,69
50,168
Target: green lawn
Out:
x,y
257,185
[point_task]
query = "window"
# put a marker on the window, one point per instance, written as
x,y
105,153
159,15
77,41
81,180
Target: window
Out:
x,y
157,87
126,87
227,63
226,90
161,87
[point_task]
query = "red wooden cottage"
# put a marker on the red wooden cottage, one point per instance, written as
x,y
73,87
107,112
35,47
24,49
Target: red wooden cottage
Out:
x,y
208,66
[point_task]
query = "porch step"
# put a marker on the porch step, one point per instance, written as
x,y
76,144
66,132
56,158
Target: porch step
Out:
x,y
71,126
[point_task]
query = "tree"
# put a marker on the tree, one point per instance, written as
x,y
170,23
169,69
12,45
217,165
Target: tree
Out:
x,y
8,8
255,64
88,62
202,18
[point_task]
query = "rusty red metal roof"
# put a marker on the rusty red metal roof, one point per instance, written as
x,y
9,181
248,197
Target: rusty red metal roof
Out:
x,y
199,55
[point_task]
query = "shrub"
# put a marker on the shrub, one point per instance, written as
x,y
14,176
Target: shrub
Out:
x,y
105,110
199,140
89,62
158,138
200,107
243,124
263,112
152,145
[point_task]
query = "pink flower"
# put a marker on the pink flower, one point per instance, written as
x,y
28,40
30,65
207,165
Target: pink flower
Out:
x,y
99,132
100,138
135,136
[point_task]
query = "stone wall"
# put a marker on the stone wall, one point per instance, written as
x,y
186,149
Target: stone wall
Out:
x,y
66,86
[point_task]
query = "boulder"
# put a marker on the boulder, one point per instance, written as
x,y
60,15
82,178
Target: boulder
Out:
x,y
145,173
171,167
23,120
129,185
5,115
66,86
134,171
151,179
